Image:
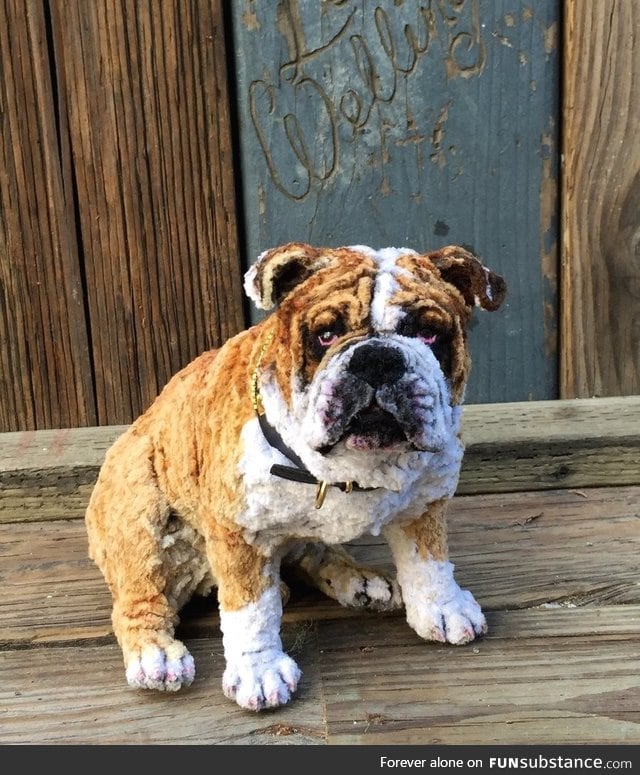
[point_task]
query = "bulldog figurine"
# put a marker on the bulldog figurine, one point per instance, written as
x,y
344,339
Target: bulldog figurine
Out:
x,y
336,416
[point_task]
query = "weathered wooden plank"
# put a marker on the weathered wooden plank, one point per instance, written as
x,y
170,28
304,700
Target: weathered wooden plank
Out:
x,y
561,550
600,279
79,696
511,447
148,116
63,448
371,684
413,124
556,572
383,688
539,445
45,370
55,471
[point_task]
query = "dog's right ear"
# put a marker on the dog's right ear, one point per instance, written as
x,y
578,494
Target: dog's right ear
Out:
x,y
279,270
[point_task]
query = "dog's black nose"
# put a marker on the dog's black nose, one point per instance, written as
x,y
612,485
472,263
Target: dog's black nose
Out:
x,y
377,364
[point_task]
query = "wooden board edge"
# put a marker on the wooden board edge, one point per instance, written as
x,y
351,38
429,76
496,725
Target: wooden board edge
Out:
x,y
516,447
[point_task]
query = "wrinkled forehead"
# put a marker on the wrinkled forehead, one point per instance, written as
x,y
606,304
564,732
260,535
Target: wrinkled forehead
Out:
x,y
384,314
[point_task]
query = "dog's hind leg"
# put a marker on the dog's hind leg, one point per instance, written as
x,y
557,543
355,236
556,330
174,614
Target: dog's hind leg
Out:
x,y
151,562
338,575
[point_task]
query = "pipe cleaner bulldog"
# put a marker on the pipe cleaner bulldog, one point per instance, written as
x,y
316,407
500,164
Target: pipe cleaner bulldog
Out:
x,y
336,416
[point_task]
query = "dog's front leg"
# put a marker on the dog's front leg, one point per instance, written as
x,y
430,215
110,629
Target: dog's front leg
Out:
x,y
258,674
436,608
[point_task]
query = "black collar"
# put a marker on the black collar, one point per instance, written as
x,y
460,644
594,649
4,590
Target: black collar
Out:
x,y
299,473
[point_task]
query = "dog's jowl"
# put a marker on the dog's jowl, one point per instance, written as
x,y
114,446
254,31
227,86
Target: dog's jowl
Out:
x,y
336,416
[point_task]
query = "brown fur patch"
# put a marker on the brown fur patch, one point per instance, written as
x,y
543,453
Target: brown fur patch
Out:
x,y
243,573
282,268
476,283
150,466
442,305
429,532
343,289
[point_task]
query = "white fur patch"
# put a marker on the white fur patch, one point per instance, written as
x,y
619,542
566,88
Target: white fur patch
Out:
x,y
278,509
373,592
384,257
250,283
488,289
384,316
258,673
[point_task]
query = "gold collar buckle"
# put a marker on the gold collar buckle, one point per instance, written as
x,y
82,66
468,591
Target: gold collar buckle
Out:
x,y
321,494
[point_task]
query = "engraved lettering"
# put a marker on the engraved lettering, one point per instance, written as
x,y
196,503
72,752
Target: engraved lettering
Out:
x,y
347,80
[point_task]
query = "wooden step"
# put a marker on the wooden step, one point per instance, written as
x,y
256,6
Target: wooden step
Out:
x,y
545,530
509,448
555,570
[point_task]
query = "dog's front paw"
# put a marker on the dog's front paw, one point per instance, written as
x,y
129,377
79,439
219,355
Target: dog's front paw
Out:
x,y
167,668
261,679
457,620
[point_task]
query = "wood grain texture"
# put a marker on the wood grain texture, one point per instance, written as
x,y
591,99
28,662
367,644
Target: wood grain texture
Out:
x,y
564,539
45,365
546,444
148,117
383,688
374,684
76,695
600,319
510,447
555,571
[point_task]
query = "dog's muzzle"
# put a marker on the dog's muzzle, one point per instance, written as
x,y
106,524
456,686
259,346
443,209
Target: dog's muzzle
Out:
x,y
377,368
374,395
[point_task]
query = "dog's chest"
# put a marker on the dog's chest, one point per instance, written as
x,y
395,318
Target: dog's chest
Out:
x,y
276,509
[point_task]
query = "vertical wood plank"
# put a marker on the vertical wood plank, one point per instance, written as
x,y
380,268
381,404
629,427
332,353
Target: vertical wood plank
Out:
x,y
45,370
414,124
600,316
148,117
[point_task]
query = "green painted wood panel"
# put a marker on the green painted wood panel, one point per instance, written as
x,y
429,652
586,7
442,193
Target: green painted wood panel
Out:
x,y
417,124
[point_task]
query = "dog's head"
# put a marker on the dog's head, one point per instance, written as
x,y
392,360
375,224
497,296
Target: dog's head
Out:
x,y
369,347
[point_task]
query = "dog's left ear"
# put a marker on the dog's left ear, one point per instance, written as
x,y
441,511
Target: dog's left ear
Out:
x,y
478,285
279,270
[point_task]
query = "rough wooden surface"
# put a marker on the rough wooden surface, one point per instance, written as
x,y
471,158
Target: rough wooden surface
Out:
x,y
146,105
119,251
600,277
418,125
510,447
45,371
556,572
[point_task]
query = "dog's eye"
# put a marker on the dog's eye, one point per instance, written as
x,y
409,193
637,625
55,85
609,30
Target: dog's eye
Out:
x,y
325,333
327,338
416,329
